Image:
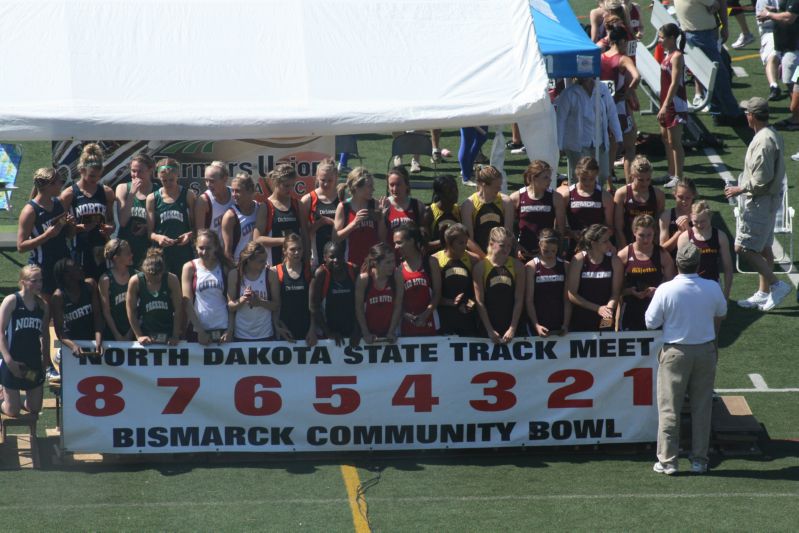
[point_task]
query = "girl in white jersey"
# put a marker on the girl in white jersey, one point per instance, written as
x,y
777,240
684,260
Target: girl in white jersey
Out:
x,y
249,296
204,294
216,200
239,221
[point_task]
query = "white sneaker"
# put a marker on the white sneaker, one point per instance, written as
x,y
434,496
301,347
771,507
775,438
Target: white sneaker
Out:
x,y
795,156
522,150
697,101
672,182
415,166
698,467
397,161
742,40
660,468
756,300
778,293
436,156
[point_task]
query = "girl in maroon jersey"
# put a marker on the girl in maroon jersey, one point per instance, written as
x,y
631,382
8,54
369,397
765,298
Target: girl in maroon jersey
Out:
x,y
499,288
713,243
378,303
594,281
585,202
399,207
646,265
318,207
537,207
548,307
639,197
673,111
358,220
420,290
677,220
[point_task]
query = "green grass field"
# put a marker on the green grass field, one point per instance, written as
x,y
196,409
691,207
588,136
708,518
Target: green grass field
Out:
x,y
610,488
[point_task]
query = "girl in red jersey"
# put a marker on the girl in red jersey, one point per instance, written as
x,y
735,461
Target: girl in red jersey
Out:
x,y
451,269
290,283
238,222
677,220
646,265
378,303
537,207
486,209
399,207
673,99
639,197
713,243
280,215
548,307
585,202
420,291
318,208
499,288
594,281
358,220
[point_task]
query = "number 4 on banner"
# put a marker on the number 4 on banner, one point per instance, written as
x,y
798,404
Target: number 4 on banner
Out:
x,y
422,400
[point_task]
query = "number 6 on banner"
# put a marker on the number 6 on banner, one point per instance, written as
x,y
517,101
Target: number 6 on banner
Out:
x,y
245,396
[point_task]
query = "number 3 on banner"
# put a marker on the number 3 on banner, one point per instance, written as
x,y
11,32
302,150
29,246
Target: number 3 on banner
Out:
x,y
505,399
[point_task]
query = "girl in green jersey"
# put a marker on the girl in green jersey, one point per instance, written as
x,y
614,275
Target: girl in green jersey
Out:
x,y
170,216
154,302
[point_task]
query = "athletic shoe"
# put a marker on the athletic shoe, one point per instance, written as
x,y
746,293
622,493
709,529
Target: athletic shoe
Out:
x,y
756,300
672,182
778,293
795,156
510,145
415,166
697,101
661,180
397,161
481,159
698,467
468,183
618,163
436,158
344,170
660,468
774,93
742,40
522,150
53,376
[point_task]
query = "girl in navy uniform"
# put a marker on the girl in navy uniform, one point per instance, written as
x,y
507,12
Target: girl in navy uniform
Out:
x,y
677,220
451,269
537,207
594,281
43,226
319,209
486,209
132,199
77,315
281,215
585,202
713,244
204,284
215,201
378,304
238,223
249,296
499,288
92,205
332,293
154,304
646,265
290,283
548,307
113,289
444,211
358,220
420,291
639,197
170,216
24,338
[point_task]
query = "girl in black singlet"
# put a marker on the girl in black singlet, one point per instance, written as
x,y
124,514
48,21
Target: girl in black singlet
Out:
x,y
594,282
712,243
154,302
24,337
318,208
77,315
646,265
537,207
92,205
453,267
677,220
332,298
290,283
548,307
444,211
585,202
44,226
113,288
486,209
280,216
639,197
499,288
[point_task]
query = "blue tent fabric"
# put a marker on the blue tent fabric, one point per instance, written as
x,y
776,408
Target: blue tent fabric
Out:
x,y
567,49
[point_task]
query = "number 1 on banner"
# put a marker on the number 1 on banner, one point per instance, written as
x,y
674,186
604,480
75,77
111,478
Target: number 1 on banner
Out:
x,y
422,400
185,391
642,385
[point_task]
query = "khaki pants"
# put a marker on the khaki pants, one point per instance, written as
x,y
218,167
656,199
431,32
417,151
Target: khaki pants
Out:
x,y
685,368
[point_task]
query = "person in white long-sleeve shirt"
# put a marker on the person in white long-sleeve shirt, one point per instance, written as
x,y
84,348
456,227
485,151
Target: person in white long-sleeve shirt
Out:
x,y
575,115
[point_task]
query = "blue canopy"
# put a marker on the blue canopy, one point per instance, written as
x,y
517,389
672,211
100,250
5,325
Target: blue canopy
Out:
x,y
566,48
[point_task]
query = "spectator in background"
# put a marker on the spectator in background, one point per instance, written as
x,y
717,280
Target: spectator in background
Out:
x,y
768,53
745,37
673,111
762,183
576,120
472,140
786,41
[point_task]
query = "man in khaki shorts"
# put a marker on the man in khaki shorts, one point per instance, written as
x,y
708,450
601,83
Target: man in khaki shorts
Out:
x,y
761,182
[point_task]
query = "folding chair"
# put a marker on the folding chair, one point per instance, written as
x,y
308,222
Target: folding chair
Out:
x,y
348,144
782,226
10,158
411,143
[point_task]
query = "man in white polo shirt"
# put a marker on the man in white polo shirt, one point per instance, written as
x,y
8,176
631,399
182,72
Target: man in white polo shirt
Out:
x,y
690,310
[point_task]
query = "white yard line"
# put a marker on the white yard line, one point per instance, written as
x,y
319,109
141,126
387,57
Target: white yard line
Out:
x,y
740,72
758,381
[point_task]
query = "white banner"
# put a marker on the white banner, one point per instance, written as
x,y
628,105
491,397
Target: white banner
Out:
x,y
422,393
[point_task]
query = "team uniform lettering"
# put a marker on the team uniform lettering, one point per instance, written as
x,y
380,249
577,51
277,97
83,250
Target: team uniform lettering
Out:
x,y
585,204
597,275
80,312
28,322
171,215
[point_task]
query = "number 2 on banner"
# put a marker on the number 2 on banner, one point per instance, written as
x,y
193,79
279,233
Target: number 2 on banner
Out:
x,y
559,398
422,400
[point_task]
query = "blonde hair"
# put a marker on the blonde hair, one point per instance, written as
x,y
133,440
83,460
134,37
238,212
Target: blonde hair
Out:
x,y
327,165
91,157
221,167
43,177
357,177
643,221
282,173
699,207
499,234
27,272
245,181
167,162
487,174
153,263
641,165
113,247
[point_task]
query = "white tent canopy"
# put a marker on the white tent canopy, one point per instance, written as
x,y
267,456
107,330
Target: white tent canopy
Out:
x,y
182,69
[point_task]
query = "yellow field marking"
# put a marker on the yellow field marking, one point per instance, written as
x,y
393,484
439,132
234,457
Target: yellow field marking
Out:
x,y
744,58
352,482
